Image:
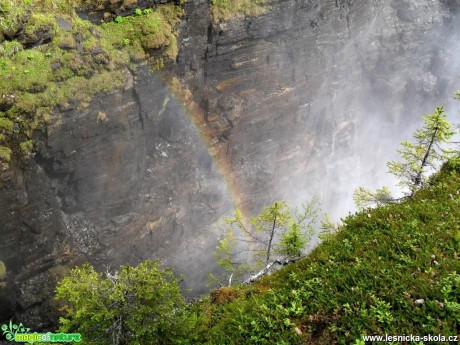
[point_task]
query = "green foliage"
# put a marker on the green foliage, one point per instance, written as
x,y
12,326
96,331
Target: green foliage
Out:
x,y
146,31
419,159
427,151
272,235
37,22
292,242
365,198
13,13
139,12
453,164
138,305
363,280
450,291
328,228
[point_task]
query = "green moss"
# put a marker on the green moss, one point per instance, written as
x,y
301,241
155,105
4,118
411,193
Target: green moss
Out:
x,y
152,30
58,272
8,49
27,147
28,71
6,125
14,12
2,275
2,270
227,9
77,63
5,154
40,22
172,50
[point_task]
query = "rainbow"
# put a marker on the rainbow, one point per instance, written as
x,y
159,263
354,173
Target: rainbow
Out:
x,y
217,149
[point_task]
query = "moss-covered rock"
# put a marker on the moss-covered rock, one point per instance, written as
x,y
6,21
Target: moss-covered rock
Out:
x,y
2,270
52,57
227,9
2,275
5,154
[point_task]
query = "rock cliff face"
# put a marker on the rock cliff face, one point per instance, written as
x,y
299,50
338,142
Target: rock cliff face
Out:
x,y
118,182
309,97
303,100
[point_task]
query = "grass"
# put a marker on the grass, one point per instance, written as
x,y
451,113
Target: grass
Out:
x,y
228,9
72,65
393,270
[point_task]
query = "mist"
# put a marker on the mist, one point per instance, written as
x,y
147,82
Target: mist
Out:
x,y
398,61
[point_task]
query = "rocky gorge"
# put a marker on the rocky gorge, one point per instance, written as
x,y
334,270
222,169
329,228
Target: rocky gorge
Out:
x,y
295,102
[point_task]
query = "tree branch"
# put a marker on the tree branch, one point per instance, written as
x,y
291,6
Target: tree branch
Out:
x,y
265,270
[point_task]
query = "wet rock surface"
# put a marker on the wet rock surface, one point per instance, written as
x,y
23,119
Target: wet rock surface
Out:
x,y
293,98
313,97
123,179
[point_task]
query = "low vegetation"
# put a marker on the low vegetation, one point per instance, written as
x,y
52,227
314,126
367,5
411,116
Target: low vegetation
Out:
x,y
390,270
227,9
51,57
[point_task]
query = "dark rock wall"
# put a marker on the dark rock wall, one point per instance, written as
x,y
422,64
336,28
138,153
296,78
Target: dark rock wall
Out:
x,y
310,98
313,97
97,155
31,237
120,180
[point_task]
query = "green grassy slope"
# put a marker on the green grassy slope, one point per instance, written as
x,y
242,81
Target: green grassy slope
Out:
x,y
393,270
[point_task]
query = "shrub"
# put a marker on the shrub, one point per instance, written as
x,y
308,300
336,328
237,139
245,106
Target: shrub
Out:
x,y
138,305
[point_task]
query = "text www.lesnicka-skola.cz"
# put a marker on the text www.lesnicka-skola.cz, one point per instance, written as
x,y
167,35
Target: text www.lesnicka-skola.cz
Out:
x,y
411,337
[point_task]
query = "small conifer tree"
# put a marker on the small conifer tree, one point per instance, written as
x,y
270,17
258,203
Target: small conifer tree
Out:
x,y
273,236
419,158
425,153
